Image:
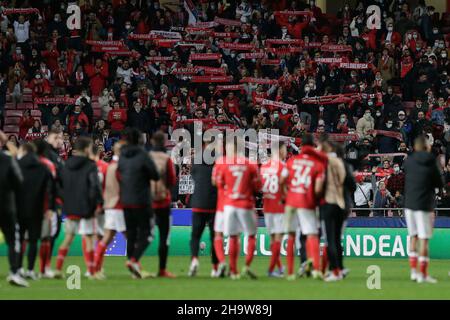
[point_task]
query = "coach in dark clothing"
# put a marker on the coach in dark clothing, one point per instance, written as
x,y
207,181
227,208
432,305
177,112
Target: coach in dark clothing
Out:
x,y
135,170
82,191
35,196
10,181
203,203
422,177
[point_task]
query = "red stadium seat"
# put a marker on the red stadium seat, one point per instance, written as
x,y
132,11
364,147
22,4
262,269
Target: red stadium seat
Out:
x,y
12,121
10,105
27,98
11,129
22,106
36,113
13,113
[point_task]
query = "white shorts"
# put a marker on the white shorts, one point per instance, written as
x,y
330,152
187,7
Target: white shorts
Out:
x,y
306,219
218,221
420,223
115,220
274,223
49,226
237,220
82,226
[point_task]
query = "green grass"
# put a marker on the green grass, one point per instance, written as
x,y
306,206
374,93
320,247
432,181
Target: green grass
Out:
x,y
395,283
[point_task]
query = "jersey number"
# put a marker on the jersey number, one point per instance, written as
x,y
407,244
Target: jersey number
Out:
x,y
301,176
270,183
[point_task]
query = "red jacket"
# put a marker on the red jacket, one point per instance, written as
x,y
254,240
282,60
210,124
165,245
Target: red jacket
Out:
x,y
41,88
81,118
24,125
97,77
117,118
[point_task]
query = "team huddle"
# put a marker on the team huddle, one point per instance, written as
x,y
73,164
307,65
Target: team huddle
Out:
x,y
306,198
292,193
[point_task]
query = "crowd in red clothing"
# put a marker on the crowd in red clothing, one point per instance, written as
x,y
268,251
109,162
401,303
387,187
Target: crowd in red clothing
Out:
x,y
283,65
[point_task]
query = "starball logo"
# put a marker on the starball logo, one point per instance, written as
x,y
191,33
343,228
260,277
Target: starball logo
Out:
x,y
207,147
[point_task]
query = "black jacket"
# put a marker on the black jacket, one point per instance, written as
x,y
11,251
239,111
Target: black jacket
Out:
x,y
36,187
53,155
422,176
136,169
82,191
205,194
10,180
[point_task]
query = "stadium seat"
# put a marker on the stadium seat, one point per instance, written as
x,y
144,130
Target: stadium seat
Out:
x,y
22,106
10,105
12,121
11,129
13,113
36,113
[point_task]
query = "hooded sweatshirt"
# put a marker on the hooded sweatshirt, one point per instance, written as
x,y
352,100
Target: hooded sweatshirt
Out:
x,y
422,176
82,191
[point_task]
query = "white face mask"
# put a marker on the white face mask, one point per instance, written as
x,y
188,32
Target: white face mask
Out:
x,y
321,109
284,111
390,28
388,125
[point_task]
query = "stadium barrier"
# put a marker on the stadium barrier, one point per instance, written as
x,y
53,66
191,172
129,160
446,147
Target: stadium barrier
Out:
x,y
365,237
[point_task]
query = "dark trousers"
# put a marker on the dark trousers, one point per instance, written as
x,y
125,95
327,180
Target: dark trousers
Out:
x,y
199,221
332,218
137,221
163,221
33,228
10,229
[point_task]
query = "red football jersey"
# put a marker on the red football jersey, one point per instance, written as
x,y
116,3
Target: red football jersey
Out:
x,y
240,181
220,191
272,192
302,172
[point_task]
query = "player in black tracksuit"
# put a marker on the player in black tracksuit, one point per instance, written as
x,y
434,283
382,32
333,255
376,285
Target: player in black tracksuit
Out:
x,y
10,181
135,170
203,203
37,184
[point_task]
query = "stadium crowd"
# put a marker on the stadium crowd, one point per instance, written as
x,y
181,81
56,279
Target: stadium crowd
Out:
x,y
282,65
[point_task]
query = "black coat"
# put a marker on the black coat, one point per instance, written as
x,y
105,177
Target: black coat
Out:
x,y
136,169
205,194
10,180
36,187
82,191
422,176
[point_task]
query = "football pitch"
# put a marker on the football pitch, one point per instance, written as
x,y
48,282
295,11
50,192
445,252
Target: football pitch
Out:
x,y
395,283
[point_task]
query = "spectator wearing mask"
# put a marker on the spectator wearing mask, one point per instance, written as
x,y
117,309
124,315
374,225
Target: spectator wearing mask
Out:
x,y
365,125
396,182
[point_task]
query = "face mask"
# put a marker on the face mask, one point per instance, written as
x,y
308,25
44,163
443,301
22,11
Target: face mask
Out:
x,y
127,26
307,89
435,31
441,45
409,36
396,169
275,116
367,116
388,125
321,109
390,28
370,103
284,111
233,55
284,31
378,114
56,19
343,120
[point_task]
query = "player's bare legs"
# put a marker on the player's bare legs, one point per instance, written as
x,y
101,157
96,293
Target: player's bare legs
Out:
x,y
413,256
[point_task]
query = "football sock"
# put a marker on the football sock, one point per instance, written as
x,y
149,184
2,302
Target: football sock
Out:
x,y
98,256
275,248
234,252
62,252
413,260
290,254
312,243
423,265
251,245
218,247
